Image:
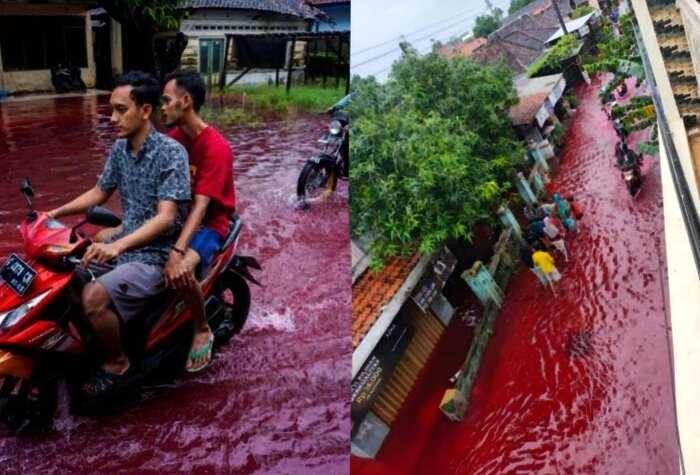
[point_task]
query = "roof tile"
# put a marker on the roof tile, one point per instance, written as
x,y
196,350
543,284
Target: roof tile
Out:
x,y
374,290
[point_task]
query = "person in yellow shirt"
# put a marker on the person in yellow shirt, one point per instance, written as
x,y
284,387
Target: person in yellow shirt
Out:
x,y
545,263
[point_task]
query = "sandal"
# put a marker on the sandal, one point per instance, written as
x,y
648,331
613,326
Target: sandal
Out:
x,y
203,353
103,382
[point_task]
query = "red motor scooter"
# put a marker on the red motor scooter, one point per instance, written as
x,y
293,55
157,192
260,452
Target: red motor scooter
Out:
x,y
44,337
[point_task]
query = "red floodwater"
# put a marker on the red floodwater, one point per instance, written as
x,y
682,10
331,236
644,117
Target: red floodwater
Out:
x,y
580,383
275,400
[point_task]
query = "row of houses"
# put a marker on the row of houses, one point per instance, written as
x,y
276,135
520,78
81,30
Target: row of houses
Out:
x,y
38,35
525,35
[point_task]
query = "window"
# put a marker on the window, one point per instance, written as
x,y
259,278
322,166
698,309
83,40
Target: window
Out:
x,y
31,43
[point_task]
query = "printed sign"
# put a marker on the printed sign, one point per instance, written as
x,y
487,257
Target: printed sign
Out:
x,y
440,269
378,368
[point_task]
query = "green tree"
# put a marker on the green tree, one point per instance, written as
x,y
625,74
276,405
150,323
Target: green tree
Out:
x,y
433,151
487,24
516,5
581,10
143,19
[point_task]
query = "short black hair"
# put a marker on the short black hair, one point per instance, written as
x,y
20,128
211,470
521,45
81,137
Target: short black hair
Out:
x,y
191,82
145,87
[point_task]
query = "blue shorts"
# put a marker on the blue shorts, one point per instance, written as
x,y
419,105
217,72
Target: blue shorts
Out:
x,y
206,243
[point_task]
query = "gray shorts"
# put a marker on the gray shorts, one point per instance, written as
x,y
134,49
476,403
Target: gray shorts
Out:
x,y
130,286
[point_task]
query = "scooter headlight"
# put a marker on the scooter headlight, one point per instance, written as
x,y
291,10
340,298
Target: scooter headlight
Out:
x,y
11,317
335,127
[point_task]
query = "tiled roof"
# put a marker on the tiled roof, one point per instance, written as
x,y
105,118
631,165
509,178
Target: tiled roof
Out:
x,y
524,112
373,290
297,8
520,42
325,2
465,49
539,6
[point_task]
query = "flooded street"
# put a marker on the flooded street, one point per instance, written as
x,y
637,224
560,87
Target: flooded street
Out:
x,y
580,383
275,399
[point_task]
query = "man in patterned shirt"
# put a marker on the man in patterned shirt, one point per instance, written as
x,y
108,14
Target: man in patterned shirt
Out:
x,y
151,173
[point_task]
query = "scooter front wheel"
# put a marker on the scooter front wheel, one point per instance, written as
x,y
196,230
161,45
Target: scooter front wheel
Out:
x,y
316,181
234,295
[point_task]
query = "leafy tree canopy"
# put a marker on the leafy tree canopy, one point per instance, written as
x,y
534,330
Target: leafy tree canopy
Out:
x,y
487,24
516,5
433,151
148,16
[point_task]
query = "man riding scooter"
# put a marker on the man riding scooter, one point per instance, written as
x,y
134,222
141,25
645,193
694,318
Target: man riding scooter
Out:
x,y
211,169
629,164
150,171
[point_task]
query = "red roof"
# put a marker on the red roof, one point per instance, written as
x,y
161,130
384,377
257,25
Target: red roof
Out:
x,y
524,112
462,49
373,290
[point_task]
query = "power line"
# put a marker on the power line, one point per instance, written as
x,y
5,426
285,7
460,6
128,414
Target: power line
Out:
x,y
393,50
427,50
463,14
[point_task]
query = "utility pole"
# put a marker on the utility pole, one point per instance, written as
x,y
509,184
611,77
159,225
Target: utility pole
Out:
x,y
555,4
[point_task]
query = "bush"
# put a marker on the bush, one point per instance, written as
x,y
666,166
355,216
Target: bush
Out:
x,y
557,134
573,102
551,60
581,10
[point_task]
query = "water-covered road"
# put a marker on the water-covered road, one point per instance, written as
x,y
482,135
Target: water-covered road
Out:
x,y
580,383
275,400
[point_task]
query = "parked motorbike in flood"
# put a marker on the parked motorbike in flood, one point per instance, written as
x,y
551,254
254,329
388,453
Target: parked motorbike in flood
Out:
x,y
320,174
44,337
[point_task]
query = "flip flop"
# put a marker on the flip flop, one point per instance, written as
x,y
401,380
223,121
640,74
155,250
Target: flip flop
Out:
x,y
197,354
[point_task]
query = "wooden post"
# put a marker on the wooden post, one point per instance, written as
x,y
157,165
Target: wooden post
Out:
x,y
325,64
222,76
306,62
340,59
291,64
347,76
277,77
315,52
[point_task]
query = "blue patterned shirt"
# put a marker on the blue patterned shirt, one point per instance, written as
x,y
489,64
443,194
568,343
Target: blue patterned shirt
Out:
x,y
158,172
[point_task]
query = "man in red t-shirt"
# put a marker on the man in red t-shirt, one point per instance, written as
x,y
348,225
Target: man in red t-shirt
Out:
x,y
211,170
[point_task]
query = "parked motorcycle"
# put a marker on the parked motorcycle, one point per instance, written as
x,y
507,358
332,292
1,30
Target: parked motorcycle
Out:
x,y
67,79
321,172
45,339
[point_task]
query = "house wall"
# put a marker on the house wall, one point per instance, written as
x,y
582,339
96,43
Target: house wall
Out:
x,y
40,80
215,24
340,14
683,284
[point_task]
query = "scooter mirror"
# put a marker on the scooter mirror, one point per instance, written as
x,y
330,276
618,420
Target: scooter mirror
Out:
x,y
103,217
25,187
